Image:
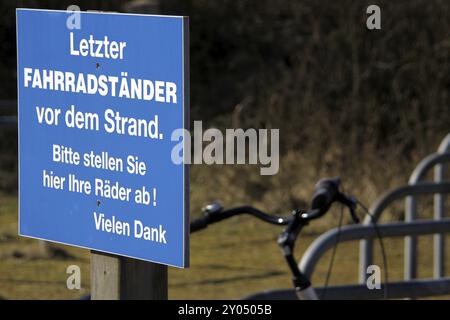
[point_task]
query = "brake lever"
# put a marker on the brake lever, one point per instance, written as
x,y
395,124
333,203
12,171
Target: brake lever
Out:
x,y
354,216
350,203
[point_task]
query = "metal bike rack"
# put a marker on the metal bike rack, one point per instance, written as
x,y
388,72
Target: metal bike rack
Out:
x,y
428,287
410,229
436,160
413,288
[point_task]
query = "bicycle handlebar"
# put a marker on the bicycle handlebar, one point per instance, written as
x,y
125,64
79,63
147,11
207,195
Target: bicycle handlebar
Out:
x,y
326,192
272,219
199,224
214,213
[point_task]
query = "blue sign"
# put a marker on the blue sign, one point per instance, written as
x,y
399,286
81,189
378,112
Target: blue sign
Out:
x,y
100,96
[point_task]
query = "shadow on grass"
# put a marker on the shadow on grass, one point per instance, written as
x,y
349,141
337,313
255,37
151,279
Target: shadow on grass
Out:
x,y
227,267
32,282
251,243
231,279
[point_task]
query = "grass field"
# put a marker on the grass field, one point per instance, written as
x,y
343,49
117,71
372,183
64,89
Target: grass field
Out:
x,y
230,260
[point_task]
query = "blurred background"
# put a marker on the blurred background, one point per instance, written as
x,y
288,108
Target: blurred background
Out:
x,y
366,105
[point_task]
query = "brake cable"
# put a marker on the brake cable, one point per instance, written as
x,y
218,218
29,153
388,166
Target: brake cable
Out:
x,y
333,254
379,236
383,251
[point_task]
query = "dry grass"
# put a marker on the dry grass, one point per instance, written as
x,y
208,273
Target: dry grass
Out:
x,y
364,105
230,260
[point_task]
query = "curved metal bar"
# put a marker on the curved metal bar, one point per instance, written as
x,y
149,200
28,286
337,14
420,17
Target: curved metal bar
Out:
x,y
445,144
357,232
439,210
419,173
438,239
366,246
426,164
402,289
420,188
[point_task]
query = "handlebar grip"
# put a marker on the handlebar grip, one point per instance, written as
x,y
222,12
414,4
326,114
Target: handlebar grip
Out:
x,y
324,194
199,224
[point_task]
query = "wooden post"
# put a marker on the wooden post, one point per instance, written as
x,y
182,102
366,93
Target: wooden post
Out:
x,y
120,278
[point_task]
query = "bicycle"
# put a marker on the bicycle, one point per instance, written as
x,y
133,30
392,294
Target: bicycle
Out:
x,y
326,193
